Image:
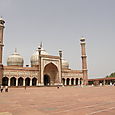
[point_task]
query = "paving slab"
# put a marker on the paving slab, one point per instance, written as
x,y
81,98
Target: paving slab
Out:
x,y
62,101
5,113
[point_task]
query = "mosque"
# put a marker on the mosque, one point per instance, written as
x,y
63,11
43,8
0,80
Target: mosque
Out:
x,y
45,69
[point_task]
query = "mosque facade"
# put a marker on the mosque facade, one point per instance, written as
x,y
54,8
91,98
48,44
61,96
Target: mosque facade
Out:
x,y
45,69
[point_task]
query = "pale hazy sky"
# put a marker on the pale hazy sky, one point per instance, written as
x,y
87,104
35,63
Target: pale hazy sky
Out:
x,y
59,24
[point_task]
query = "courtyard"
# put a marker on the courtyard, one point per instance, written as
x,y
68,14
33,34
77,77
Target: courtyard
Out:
x,y
63,101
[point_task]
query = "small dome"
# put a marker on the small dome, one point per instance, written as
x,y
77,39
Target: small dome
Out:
x,y
35,57
15,60
65,64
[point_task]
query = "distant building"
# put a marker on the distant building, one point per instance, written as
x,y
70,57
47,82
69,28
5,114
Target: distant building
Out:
x,y
102,81
45,70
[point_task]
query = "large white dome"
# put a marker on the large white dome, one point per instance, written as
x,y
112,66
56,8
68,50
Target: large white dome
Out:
x,y
15,60
35,57
65,64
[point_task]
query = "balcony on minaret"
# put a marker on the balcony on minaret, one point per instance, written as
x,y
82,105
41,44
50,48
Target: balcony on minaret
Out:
x,y
2,21
82,39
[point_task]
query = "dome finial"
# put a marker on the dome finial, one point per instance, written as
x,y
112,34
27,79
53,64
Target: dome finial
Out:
x,y
15,59
41,44
15,50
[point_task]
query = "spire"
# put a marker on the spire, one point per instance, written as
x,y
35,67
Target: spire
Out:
x,y
41,44
15,50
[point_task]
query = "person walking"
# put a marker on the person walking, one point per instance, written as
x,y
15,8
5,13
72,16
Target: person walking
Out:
x,y
57,87
6,88
1,88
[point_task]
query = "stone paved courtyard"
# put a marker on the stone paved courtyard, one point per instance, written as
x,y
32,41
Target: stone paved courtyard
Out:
x,y
62,101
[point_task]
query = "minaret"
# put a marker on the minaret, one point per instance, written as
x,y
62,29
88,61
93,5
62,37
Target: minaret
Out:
x,y
84,61
1,47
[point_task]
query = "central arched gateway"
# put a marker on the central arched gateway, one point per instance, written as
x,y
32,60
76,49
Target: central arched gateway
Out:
x,y
46,80
51,74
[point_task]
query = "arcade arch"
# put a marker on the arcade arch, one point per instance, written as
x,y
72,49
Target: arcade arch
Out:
x,y
5,81
20,81
13,81
34,81
27,81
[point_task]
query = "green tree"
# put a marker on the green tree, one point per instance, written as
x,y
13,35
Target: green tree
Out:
x,y
111,75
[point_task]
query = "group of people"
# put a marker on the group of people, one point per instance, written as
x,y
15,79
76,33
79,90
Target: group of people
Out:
x,y
4,87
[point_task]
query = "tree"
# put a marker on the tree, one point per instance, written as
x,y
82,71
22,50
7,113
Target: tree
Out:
x,y
111,75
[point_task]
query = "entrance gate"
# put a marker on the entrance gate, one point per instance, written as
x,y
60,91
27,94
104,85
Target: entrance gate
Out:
x,y
46,80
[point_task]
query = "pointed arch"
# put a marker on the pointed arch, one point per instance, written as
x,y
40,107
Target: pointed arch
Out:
x,y
51,70
20,81
5,81
72,81
68,81
63,81
34,81
27,81
13,81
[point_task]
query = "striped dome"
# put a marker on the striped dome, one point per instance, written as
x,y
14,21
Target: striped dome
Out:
x,y
35,57
65,64
15,60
